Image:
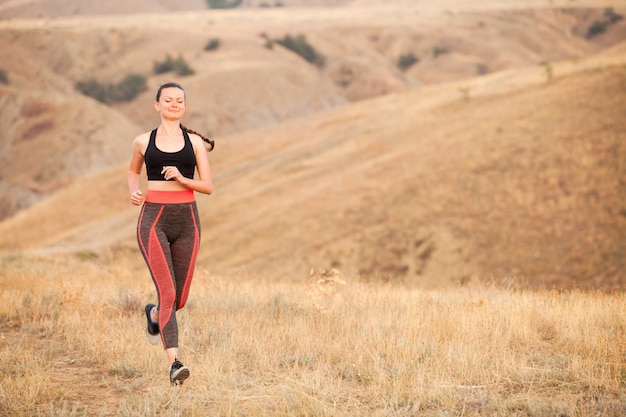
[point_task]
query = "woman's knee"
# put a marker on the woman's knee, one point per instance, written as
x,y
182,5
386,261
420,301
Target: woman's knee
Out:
x,y
167,301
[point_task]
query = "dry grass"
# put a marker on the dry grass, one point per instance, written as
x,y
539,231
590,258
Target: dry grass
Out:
x,y
72,344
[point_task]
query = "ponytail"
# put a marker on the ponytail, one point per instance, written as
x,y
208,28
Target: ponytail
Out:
x,y
208,143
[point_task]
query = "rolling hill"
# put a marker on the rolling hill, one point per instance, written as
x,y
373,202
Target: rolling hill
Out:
x,y
62,8
498,155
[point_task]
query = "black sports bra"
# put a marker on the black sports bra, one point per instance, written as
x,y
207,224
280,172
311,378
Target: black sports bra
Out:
x,y
156,159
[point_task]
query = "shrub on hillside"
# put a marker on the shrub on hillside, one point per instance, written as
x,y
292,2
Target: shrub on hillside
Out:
x,y
212,44
600,26
611,16
161,67
439,50
302,47
182,68
93,88
129,88
223,4
126,90
178,65
406,61
4,77
481,68
269,42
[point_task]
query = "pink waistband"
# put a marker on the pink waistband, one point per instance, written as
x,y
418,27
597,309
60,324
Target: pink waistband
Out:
x,y
170,197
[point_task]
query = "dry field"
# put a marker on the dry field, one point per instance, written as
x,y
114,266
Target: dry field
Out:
x,y
72,344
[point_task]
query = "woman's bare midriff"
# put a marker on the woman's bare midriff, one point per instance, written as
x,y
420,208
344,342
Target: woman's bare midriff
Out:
x,y
166,186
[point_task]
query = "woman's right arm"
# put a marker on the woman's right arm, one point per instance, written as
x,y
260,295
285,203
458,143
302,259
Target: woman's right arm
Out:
x,y
134,171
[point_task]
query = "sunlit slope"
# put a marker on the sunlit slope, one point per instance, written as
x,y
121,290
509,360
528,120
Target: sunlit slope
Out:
x,y
528,185
513,175
52,135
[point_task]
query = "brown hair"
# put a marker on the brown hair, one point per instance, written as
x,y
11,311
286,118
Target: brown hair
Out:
x,y
210,144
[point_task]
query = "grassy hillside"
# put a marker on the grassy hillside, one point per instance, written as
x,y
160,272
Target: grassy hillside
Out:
x,y
428,187
249,80
528,185
469,164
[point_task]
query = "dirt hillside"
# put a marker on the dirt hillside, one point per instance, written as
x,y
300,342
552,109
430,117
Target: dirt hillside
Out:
x,y
497,154
53,135
526,182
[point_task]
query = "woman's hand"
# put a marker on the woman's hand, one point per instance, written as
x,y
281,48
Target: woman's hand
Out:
x,y
171,172
136,198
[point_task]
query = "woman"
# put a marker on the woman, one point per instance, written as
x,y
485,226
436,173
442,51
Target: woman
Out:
x,y
168,229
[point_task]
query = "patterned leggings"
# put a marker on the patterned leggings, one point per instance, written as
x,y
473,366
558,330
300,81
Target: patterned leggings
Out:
x,y
168,234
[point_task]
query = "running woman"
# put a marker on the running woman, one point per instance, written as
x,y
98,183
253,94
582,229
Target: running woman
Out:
x,y
168,229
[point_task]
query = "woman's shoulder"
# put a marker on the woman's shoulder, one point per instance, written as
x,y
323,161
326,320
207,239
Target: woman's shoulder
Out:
x,y
140,143
195,139
143,138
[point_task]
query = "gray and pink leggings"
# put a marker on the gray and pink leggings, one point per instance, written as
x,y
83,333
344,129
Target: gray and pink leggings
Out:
x,y
168,233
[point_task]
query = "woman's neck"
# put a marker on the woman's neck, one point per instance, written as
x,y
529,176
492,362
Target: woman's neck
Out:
x,y
170,127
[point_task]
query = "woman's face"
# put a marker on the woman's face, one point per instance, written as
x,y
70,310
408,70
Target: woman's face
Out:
x,y
171,104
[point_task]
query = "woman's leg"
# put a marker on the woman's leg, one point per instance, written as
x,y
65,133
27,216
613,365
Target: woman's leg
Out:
x,y
184,252
155,247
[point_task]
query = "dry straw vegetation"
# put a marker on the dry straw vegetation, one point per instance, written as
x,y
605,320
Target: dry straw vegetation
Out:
x,y
73,344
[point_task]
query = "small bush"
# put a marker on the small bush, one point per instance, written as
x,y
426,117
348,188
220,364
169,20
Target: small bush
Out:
x,y
4,77
611,16
212,44
129,88
93,88
406,61
164,66
600,26
439,50
549,71
302,47
223,4
182,68
126,90
269,43
178,65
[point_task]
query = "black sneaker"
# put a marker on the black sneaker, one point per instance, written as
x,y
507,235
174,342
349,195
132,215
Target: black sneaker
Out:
x,y
178,373
152,329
